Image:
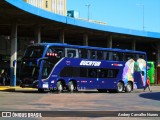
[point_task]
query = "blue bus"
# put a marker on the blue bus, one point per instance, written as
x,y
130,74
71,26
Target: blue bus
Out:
x,y
60,67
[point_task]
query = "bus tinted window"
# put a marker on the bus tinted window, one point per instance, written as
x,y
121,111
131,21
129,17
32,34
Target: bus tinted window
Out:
x,y
114,56
120,56
92,72
92,54
106,55
70,72
107,73
83,53
72,53
129,56
83,72
141,56
89,72
34,52
100,55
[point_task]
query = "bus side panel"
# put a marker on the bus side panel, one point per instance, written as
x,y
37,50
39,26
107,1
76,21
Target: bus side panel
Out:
x,y
86,83
107,83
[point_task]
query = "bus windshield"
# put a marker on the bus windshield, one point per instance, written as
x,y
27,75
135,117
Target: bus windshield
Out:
x,y
31,71
34,52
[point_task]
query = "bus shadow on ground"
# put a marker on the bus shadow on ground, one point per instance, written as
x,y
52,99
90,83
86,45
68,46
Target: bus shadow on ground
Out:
x,y
152,96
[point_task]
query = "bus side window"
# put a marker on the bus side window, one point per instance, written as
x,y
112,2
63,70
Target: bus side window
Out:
x,y
112,73
60,54
115,56
106,55
141,56
129,56
92,73
101,73
72,53
93,54
82,53
110,56
100,55
120,56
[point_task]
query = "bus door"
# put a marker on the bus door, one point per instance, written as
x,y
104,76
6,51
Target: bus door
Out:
x,y
46,67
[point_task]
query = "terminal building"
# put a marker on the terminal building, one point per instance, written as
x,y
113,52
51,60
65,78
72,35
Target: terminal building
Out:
x,y
26,21
55,6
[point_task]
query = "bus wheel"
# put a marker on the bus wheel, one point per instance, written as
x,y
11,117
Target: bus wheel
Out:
x,y
40,90
120,87
59,87
71,86
128,87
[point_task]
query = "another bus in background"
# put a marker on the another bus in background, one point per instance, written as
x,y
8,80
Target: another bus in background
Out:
x,y
151,71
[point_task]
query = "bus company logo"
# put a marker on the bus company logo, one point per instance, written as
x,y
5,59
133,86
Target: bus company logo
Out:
x,y
68,62
90,63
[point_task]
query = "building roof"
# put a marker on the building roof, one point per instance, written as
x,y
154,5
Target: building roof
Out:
x,y
79,23
29,17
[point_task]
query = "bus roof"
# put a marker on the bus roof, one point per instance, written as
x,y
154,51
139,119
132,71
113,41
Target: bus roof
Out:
x,y
87,47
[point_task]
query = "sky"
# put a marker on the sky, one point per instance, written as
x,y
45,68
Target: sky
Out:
x,y
121,13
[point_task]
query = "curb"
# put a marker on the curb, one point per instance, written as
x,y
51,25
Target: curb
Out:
x,y
12,89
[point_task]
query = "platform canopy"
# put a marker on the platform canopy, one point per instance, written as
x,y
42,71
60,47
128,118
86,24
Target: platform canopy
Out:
x,y
28,17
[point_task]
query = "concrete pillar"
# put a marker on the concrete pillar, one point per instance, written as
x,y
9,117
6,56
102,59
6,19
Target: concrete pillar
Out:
x,y
13,60
38,34
158,54
85,40
134,45
157,78
109,41
61,36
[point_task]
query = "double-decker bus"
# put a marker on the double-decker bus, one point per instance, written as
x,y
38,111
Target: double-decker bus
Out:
x,y
59,67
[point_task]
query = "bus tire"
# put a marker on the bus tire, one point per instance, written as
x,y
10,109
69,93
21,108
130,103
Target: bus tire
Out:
x,y
71,86
40,90
120,87
128,87
59,87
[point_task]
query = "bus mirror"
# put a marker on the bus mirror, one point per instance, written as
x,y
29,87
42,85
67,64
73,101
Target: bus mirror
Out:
x,y
14,63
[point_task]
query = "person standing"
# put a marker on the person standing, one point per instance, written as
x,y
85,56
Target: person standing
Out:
x,y
3,77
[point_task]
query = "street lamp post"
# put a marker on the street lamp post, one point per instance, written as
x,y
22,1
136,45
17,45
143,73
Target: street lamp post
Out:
x,y
88,6
142,14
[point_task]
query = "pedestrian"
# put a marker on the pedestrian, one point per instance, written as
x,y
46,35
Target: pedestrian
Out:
x,y
147,85
3,77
